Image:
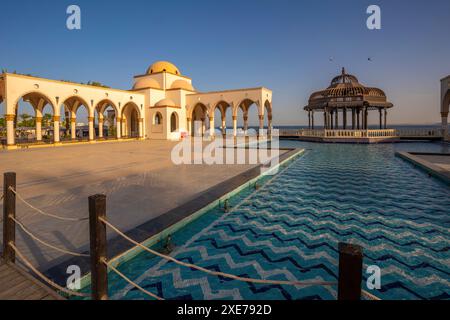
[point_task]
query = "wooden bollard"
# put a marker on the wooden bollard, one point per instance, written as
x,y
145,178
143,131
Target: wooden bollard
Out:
x,y
350,271
9,210
97,228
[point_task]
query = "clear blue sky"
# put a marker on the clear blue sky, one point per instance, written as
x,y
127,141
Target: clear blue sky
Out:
x,y
283,45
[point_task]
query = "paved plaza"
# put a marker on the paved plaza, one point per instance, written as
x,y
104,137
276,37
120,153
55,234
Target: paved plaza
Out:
x,y
138,177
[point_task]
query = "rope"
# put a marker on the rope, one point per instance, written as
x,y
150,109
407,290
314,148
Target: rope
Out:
x,y
217,273
44,278
132,283
369,296
44,213
76,254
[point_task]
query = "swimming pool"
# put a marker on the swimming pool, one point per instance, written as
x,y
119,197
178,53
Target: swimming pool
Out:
x,y
290,228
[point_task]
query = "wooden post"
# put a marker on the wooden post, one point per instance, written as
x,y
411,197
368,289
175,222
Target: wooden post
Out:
x,y
350,271
9,210
97,228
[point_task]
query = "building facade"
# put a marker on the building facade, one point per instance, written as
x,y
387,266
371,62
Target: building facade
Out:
x,y
163,104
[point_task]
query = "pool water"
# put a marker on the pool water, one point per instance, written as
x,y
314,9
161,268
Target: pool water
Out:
x,y
289,229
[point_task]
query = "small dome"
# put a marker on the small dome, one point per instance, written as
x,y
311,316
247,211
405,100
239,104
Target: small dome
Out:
x,y
165,103
145,83
163,66
182,84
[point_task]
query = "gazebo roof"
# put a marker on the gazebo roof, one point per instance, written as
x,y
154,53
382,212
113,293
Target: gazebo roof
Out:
x,y
346,91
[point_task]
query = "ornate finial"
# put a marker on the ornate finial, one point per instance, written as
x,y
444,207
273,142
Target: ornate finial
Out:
x,y
343,70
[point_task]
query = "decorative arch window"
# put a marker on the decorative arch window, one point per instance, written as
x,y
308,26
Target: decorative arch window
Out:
x,y
173,122
158,119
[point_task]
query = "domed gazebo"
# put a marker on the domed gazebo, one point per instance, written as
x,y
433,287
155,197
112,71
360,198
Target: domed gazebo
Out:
x,y
346,94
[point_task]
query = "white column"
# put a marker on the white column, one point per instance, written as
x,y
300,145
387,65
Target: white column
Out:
x,y
10,132
141,128
211,127
189,126
261,125
100,126
91,128
118,127
124,127
269,129
224,125
38,128
56,129
73,128
444,123
245,125
234,126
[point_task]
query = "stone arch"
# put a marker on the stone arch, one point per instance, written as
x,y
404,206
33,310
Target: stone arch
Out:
x,y
75,102
198,116
110,120
38,101
33,95
131,118
244,105
71,106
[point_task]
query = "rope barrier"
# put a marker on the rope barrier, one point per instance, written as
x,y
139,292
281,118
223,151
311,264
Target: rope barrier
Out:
x,y
132,282
369,296
76,254
44,213
217,273
44,278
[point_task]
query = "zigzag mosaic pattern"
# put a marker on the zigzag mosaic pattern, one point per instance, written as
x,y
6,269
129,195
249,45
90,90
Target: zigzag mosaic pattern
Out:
x,y
290,229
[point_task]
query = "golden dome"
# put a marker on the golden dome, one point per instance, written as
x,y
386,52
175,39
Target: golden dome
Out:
x,y
165,103
145,83
182,84
163,66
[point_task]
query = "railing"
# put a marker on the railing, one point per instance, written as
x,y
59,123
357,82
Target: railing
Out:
x,y
372,133
350,255
432,133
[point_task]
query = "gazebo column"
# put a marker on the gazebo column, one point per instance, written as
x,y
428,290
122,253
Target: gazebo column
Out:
x,y
91,128
118,127
358,111
312,119
381,118
38,128
366,127
73,128
330,120
353,118
234,126
56,138
385,118
10,131
309,119
345,118
336,126
325,122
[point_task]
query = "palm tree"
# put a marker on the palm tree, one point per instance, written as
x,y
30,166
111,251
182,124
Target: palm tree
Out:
x,y
47,119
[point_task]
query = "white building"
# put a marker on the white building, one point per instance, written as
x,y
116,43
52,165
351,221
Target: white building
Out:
x,y
163,104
